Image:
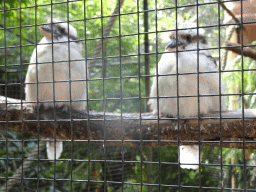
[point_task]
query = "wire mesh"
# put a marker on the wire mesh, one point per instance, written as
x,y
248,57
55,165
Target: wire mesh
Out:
x,y
123,45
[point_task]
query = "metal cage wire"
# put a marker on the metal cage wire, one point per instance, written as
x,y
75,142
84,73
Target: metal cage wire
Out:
x,y
97,165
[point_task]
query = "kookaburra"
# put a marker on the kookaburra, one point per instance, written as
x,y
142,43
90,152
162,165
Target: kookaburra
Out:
x,y
192,56
57,73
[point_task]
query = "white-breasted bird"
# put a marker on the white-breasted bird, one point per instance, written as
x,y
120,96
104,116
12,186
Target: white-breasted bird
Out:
x,y
54,76
190,59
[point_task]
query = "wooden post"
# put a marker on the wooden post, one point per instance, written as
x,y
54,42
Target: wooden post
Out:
x,y
233,182
146,48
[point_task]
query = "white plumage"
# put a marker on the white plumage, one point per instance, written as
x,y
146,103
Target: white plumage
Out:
x,y
188,62
42,76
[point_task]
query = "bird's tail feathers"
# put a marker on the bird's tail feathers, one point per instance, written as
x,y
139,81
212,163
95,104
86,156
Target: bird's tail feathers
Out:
x,y
189,154
50,146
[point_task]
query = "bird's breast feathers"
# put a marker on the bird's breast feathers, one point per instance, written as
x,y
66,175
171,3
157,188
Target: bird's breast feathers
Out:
x,y
188,62
65,60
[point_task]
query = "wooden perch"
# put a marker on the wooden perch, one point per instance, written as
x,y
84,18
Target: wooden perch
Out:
x,y
95,126
247,51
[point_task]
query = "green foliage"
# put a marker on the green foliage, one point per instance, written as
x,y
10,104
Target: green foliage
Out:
x,y
115,88
242,80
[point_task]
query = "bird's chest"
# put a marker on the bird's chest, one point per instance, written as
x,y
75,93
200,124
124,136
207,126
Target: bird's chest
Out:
x,y
54,66
184,63
187,76
188,63
53,71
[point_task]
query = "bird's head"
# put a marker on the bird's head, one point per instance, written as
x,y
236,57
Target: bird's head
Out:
x,y
56,30
186,38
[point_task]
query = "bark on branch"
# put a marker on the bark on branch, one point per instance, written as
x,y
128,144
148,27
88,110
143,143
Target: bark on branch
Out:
x,y
247,51
146,131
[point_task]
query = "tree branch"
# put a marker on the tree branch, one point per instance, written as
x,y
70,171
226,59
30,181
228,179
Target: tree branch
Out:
x,y
229,12
94,128
247,51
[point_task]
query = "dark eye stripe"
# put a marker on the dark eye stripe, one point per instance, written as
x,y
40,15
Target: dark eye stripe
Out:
x,y
184,36
193,39
203,39
63,32
190,38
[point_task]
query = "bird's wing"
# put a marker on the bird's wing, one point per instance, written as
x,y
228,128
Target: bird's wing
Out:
x,y
167,64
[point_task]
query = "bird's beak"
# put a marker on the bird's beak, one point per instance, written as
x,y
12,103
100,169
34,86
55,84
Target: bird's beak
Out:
x,y
173,44
48,32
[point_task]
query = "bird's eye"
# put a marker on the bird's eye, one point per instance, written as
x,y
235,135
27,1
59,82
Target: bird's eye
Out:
x,y
62,30
188,38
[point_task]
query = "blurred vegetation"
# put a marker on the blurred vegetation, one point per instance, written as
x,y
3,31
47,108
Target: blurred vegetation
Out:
x,y
86,162
241,82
